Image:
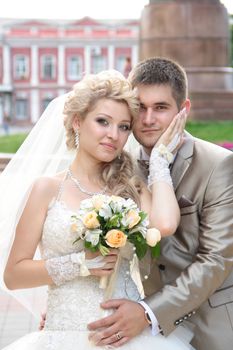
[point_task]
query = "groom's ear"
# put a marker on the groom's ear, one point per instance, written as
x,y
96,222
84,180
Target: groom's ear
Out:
x,y
186,105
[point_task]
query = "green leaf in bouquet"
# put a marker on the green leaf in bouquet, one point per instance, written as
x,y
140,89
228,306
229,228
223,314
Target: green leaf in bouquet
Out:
x,y
103,250
101,220
114,221
90,247
142,215
139,243
155,251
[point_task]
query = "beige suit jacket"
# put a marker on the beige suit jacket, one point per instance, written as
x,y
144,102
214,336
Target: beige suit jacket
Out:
x,y
196,263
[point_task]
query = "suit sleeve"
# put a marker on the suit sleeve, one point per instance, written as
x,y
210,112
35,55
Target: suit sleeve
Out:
x,y
214,257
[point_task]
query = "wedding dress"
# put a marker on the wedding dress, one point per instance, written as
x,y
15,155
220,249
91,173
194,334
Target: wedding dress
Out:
x,y
71,306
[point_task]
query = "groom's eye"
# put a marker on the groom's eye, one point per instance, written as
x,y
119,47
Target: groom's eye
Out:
x,y
142,107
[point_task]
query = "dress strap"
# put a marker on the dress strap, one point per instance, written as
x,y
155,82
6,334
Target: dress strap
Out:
x,y
61,186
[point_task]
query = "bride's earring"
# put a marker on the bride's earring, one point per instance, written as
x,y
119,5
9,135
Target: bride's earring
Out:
x,y
119,156
76,140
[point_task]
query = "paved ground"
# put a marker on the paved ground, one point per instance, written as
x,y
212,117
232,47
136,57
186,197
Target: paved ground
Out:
x,y
15,321
15,130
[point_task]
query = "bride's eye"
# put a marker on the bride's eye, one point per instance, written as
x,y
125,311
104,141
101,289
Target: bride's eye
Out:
x,y
102,121
125,127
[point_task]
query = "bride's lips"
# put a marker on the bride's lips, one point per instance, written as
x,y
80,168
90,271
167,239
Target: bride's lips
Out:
x,y
108,146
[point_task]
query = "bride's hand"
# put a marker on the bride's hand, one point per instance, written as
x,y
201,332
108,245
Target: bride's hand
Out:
x,y
172,136
107,262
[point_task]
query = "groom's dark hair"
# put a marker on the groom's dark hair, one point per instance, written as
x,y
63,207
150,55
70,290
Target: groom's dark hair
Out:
x,y
161,71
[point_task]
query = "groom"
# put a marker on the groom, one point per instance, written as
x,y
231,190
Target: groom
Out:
x,y
196,263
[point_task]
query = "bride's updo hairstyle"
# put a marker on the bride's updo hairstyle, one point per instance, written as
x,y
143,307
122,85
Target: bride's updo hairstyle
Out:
x,y
117,174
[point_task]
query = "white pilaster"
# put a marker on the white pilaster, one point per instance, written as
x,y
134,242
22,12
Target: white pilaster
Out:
x,y
87,59
6,65
61,65
134,55
35,106
111,57
35,67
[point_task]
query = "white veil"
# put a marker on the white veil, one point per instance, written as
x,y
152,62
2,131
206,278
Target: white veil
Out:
x,y
43,152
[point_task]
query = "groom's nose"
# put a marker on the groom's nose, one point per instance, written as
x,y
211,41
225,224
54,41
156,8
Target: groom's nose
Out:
x,y
149,116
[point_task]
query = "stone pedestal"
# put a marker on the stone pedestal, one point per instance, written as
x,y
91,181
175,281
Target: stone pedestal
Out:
x,y
195,33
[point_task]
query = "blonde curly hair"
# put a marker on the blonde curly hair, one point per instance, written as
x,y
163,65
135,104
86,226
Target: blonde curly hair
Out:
x,y
119,173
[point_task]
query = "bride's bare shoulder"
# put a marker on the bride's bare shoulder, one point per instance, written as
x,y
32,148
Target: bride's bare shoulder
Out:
x,y
48,185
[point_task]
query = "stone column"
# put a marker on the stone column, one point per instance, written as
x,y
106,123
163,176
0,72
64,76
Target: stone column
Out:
x,y
196,34
111,58
87,59
61,65
35,66
6,65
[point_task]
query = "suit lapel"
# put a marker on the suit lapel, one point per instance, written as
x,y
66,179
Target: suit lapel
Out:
x,y
183,160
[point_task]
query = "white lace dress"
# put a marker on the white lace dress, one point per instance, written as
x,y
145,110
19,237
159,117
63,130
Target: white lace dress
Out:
x,y
75,304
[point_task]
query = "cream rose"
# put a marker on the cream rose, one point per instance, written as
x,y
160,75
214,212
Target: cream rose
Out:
x,y
116,238
90,220
97,202
115,198
132,218
153,236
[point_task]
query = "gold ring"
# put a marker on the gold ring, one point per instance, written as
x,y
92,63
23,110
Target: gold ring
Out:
x,y
118,336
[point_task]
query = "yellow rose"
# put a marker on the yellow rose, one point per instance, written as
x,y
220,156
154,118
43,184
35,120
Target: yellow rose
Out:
x,y
116,238
153,236
73,228
132,218
90,220
97,202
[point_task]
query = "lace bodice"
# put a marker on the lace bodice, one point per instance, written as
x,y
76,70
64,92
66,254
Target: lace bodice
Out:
x,y
77,301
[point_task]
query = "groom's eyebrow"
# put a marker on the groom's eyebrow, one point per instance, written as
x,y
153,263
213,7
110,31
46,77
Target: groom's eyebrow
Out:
x,y
162,103
156,104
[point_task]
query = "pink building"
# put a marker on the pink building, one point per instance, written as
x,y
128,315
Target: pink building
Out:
x,y
40,59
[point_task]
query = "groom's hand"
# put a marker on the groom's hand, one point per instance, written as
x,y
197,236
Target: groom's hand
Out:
x,y
127,321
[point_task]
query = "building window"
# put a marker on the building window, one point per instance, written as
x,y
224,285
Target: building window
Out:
x,y
99,63
21,67
120,63
21,109
48,67
45,103
74,67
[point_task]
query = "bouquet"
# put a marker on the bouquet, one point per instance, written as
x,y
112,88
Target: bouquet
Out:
x,y
105,222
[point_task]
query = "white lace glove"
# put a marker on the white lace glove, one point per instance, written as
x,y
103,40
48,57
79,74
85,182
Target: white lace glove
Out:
x,y
161,156
65,268
160,159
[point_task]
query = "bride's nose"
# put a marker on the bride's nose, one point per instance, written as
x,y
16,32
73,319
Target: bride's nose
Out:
x,y
113,132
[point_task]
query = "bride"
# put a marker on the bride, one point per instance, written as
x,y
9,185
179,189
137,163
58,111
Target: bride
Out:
x,y
98,116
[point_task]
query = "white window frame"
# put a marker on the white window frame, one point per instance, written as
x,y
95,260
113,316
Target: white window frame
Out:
x,y
21,108
53,67
120,63
74,69
99,63
21,66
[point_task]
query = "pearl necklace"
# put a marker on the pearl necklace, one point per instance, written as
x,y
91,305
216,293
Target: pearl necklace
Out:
x,y
77,183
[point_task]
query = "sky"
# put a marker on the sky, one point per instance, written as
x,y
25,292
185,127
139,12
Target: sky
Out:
x,y
75,9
